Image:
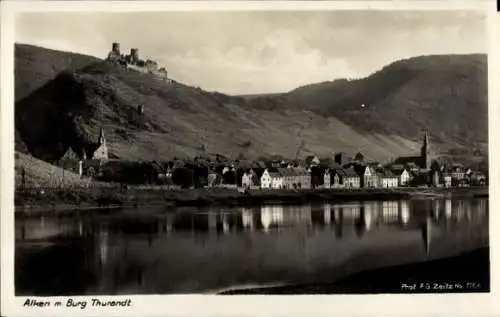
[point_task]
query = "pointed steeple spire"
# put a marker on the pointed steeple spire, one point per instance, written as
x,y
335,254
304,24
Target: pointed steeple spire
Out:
x,y
425,154
101,139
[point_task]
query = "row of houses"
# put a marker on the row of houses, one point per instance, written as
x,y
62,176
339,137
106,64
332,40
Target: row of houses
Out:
x,y
359,176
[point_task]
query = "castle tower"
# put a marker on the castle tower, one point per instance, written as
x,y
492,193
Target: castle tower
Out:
x,y
425,153
134,55
116,48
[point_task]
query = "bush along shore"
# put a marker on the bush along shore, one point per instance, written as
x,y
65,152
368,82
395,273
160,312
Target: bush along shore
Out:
x,y
60,199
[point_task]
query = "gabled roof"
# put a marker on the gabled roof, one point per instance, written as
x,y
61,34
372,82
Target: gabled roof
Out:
x,y
397,169
334,166
407,160
300,171
273,172
258,170
336,170
286,172
70,155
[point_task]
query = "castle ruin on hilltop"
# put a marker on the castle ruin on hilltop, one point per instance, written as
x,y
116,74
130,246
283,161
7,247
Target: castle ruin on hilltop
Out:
x,y
132,61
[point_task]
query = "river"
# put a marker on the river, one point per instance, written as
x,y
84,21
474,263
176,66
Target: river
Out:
x,y
207,250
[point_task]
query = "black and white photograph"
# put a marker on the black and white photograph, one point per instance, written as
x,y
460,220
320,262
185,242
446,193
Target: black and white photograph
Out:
x,y
250,152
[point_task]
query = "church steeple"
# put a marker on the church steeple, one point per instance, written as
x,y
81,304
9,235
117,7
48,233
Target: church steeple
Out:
x,y
101,139
101,152
425,154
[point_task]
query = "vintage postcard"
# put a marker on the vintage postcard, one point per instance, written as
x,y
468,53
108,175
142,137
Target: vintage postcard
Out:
x,y
216,158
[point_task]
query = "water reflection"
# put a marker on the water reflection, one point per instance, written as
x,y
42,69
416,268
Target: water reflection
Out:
x,y
337,217
197,249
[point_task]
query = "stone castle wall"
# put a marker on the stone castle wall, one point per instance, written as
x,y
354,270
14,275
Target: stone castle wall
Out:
x,y
133,62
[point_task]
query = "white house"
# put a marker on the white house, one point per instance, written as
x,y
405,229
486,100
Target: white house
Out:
x,y
249,179
272,180
246,180
326,179
370,177
334,178
387,179
402,173
351,179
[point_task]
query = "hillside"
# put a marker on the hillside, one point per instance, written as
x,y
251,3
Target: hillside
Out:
x,y
38,173
178,120
447,93
37,65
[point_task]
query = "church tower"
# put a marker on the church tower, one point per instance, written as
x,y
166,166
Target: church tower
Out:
x,y
425,153
101,140
101,152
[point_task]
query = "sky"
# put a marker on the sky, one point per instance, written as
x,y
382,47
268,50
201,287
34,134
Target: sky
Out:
x,y
245,52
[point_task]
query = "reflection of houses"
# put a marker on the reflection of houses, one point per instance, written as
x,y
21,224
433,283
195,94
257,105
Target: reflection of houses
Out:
x,y
370,209
43,228
447,208
427,235
327,213
481,208
436,209
404,212
460,210
390,211
367,215
247,218
351,212
276,216
103,247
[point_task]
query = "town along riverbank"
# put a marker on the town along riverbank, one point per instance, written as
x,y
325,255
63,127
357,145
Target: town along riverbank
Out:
x,y
78,198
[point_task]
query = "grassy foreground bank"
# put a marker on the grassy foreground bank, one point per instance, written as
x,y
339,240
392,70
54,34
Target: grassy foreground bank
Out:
x,y
102,197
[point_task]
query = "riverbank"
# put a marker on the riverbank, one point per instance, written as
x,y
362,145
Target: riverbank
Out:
x,y
468,272
71,199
